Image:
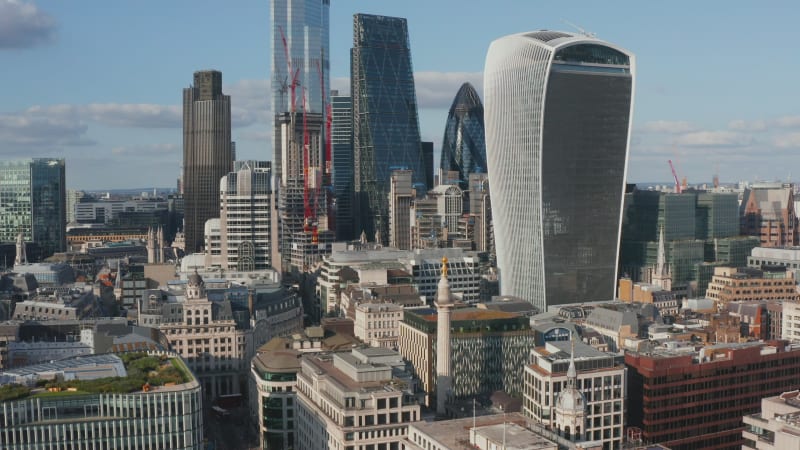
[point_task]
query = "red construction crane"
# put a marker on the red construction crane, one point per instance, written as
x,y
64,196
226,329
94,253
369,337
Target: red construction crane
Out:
x,y
675,175
294,74
309,207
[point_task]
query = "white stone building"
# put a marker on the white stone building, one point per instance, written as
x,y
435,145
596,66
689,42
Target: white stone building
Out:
x,y
378,324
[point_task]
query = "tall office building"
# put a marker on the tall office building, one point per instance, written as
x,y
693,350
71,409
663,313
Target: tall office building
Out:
x,y
400,196
464,142
558,119
300,30
245,213
33,199
427,162
207,152
342,153
385,122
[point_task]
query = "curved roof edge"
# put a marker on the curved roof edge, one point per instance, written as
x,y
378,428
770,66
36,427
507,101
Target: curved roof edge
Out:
x,y
554,40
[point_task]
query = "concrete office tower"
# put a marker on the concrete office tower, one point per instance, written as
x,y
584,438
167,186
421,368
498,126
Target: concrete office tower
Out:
x,y
558,120
342,154
207,152
385,122
300,29
245,213
444,376
400,195
464,141
33,199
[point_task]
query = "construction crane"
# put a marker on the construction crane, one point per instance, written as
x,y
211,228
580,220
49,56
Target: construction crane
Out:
x,y
675,175
309,205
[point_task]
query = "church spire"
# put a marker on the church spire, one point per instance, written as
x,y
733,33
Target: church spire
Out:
x,y
662,276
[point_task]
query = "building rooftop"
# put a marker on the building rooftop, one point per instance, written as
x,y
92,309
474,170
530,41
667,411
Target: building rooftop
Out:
x,y
281,361
455,433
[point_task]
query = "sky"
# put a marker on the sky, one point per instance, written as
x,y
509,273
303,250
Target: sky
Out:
x,y
99,83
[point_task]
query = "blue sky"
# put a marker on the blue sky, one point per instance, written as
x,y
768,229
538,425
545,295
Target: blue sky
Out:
x,y
99,82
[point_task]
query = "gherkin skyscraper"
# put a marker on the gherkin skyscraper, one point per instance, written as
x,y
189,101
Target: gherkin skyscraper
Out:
x,y
385,122
464,142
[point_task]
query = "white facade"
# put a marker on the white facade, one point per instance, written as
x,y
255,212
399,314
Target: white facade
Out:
x,y
245,213
790,323
378,324
777,426
557,195
600,379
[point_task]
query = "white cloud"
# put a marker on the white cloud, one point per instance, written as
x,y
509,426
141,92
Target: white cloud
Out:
x,y
30,130
23,25
791,140
715,139
788,121
250,102
149,150
748,125
438,89
667,127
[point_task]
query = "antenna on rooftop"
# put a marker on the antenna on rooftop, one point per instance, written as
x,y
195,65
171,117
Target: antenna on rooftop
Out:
x,y
580,30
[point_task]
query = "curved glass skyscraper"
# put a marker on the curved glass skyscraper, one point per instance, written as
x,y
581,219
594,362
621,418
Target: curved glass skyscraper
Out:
x,y
558,120
385,122
464,142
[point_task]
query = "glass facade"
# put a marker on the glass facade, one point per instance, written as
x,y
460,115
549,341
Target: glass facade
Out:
x,y
342,154
33,200
557,129
305,27
464,141
385,122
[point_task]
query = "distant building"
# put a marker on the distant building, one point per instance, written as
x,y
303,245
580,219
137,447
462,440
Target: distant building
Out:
x,y
377,324
245,217
364,396
546,181
676,396
385,121
342,154
776,426
464,141
788,257
207,152
401,195
33,201
742,284
482,432
66,303
768,213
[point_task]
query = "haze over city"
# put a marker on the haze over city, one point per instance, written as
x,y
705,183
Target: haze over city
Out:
x,y
99,83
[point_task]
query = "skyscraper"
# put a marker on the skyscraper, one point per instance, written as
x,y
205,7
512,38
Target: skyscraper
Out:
x,y
385,122
33,199
342,152
245,213
207,152
300,30
558,119
464,142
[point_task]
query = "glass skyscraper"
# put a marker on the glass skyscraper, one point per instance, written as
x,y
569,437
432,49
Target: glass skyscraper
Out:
x,y
464,142
304,24
558,119
385,122
342,154
33,199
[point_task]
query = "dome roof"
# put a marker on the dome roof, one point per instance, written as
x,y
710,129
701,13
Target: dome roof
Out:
x,y
195,279
570,399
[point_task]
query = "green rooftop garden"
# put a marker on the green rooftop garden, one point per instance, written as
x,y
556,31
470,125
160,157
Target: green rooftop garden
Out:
x,y
144,372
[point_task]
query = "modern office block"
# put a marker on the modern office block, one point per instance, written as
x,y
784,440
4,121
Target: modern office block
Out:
x,y
385,122
558,119
300,30
33,201
342,154
464,141
400,196
245,214
207,152
427,162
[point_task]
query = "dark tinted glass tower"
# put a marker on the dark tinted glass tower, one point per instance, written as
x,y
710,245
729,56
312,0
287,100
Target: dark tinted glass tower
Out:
x,y
33,199
385,122
427,163
207,152
464,142
342,153
558,119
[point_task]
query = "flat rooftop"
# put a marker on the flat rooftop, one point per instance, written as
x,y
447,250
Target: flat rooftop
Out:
x,y
454,434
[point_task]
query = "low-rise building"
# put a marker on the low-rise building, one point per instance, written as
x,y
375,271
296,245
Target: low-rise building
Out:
x,y
59,303
777,426
378,324
150,416
364,397
599,378
482,432
731,284
694,397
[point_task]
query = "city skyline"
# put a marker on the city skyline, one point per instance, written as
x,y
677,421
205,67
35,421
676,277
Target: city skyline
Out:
x,y
91,87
